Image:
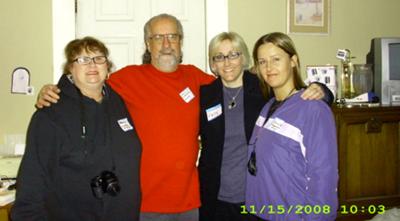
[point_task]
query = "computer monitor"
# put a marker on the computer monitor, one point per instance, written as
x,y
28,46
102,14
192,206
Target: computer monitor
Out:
x,y
384,55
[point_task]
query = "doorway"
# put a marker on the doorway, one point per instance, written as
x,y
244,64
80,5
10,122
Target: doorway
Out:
x,y
202,19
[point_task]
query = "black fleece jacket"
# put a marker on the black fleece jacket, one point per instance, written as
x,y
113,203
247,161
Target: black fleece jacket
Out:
x,y
58,165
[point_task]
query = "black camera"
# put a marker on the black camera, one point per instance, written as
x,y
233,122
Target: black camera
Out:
x,y
105,183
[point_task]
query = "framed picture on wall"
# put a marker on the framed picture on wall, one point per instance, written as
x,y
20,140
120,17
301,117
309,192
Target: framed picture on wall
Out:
x,y
308,16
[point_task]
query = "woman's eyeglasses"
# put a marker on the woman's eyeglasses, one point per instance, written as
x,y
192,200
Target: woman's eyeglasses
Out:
x,y
231,56
87,60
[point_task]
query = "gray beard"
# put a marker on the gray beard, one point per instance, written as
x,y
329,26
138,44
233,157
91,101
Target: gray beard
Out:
x,y
167,62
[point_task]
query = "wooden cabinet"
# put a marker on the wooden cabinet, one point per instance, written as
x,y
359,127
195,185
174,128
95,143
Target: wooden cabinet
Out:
x,y
369,159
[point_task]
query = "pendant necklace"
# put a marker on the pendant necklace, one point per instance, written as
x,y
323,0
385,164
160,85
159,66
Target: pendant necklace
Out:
x,y
232,102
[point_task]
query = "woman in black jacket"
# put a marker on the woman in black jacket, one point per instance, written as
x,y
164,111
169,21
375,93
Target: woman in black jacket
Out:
x,y
82,156
229,109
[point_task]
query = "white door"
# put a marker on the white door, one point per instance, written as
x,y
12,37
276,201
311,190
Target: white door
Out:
x,y
119,23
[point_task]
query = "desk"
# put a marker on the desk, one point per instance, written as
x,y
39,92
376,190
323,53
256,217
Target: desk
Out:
x,y
5,212
8,167
6,199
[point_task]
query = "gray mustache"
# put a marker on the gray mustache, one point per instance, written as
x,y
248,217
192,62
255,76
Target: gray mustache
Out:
x,y
167,51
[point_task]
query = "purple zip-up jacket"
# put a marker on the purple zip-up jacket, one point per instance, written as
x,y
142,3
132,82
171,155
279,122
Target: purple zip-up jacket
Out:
x,y
297,163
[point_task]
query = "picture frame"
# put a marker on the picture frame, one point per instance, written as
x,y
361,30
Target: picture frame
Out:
x,y
308,16
325,74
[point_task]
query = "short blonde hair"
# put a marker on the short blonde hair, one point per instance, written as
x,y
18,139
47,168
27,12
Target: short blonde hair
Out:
x,y
237,42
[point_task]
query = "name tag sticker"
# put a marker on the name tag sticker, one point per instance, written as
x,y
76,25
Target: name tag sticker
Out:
x,y
260,121
187,95
125,125
288,130
214,112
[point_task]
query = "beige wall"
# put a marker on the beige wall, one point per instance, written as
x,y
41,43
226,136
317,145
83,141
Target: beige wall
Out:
x,y
353,24
25,40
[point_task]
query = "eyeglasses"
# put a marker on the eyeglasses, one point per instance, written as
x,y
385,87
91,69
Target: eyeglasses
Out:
x,y
159,38
86,60
231,56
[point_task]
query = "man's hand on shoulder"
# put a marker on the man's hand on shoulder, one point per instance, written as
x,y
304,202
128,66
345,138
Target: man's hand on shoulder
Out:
x,y
47,95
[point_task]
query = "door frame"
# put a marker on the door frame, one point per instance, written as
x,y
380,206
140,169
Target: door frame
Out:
x,y
63,24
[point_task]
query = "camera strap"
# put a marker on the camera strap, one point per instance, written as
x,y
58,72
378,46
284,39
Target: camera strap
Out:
x,y
107,127
251,164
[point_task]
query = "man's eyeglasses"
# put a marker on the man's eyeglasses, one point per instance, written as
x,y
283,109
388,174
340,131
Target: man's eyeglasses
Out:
x,y
87,60
159,38
231,56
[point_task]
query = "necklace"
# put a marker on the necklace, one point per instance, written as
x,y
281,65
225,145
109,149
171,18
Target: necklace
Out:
x,y
232,102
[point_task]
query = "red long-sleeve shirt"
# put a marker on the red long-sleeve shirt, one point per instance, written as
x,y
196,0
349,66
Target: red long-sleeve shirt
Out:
x,y
165,111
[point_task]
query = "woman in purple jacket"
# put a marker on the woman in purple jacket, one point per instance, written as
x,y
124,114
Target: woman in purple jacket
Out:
x,y
293,149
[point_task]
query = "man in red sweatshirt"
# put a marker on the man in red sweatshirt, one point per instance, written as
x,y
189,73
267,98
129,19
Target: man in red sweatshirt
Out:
x,y
163,100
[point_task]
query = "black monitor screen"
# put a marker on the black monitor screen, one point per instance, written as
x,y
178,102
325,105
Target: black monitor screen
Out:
x,y
394,61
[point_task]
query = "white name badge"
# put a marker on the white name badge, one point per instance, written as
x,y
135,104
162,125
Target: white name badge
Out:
x,y
125,125
187,95
286,129
260,121
214,112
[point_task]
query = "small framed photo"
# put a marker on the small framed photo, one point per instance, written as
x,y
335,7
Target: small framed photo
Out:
x,y
325,74
308,16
